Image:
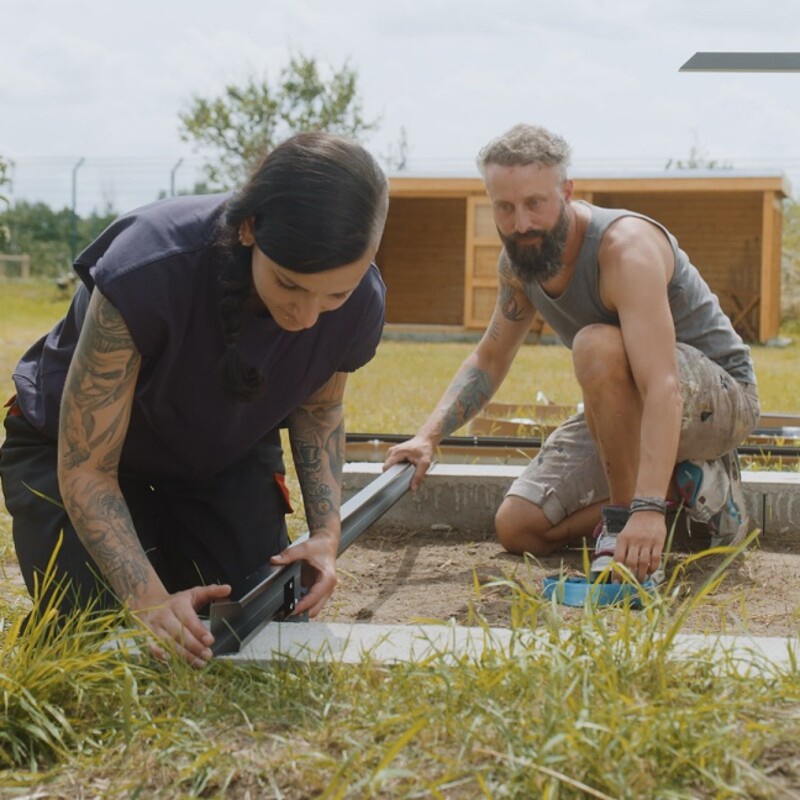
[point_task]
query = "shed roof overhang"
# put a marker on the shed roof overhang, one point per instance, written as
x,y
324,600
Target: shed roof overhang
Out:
x,y
666,181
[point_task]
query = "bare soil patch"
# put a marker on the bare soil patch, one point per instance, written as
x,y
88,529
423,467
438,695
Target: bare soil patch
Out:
x,y
408,576
401,576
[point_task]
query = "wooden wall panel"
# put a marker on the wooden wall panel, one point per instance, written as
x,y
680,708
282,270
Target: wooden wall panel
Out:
x,y
486,256
484,220
484,298
421,258
722,235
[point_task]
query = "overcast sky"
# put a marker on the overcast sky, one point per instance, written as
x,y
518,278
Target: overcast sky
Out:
x,y
104,81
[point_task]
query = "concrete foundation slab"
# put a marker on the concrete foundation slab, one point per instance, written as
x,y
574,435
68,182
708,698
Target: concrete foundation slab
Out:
x,y
466,497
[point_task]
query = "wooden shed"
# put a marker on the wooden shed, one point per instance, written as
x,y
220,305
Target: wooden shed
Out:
x,y
439,251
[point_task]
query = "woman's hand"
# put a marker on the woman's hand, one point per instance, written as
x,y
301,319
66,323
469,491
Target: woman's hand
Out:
x,y
319,554
174,621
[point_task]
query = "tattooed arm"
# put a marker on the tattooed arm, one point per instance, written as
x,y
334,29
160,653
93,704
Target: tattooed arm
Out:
x,y
95,413
316,432
478,378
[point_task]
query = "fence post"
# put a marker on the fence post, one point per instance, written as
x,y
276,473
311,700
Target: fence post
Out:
x,y
74,228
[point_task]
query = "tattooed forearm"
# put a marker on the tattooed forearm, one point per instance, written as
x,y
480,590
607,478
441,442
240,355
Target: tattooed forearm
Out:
x,y
95,411
316,431
468,394
105,528
334,447
318,440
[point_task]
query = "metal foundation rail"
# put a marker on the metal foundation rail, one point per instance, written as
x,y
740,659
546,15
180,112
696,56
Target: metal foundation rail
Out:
x,y
276,590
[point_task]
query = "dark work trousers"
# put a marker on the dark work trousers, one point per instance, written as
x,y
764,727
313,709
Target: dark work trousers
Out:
x,y
194,532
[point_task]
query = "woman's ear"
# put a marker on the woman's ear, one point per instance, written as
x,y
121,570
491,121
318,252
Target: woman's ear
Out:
x,y
246,236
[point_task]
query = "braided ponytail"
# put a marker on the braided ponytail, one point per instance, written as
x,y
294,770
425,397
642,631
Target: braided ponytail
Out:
x,y
241,379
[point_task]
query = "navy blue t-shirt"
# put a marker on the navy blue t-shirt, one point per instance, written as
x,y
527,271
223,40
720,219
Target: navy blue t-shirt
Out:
x,y
159,266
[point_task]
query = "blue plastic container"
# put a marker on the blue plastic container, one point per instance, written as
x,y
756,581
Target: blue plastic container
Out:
x,y
575,591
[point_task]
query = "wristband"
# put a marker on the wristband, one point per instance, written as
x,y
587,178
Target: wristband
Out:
x,y
657,504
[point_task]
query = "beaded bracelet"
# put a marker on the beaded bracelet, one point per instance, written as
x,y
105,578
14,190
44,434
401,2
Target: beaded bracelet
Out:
x,y
649,504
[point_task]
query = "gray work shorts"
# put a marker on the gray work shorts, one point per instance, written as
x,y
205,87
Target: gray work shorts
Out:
x,y
718,415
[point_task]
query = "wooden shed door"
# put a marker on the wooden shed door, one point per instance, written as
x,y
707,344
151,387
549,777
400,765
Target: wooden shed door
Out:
x,y
480,263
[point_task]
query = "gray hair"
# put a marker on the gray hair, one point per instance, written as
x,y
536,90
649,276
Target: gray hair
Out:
x,y
526,144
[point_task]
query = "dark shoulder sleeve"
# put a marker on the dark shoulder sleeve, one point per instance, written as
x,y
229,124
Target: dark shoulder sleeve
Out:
x,y
371,311
152,265
149,299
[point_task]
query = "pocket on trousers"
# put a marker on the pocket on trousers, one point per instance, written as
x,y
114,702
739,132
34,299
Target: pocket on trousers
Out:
x,y
280,480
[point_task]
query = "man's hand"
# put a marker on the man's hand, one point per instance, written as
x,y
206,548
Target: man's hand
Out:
x,y
174,619
641,543
418,451
319,554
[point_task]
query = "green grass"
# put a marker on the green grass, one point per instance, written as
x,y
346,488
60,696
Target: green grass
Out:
x,y
27,311
599,707
399,387
397,390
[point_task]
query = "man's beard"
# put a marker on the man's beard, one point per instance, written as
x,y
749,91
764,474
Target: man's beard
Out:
x,y
541,260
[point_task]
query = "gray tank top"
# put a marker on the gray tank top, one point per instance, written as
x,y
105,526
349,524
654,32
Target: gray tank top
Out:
x,y
699,319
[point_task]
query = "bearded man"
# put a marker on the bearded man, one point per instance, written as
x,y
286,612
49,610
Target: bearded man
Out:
x,y
668,386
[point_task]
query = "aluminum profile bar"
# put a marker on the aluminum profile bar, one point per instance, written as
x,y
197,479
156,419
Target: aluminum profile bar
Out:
x,y
277,589
373,501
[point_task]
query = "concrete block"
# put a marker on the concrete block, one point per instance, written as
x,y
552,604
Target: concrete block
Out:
x,y
773,502
350,643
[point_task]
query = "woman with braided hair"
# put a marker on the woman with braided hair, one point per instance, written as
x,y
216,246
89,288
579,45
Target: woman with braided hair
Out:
x,y
151,412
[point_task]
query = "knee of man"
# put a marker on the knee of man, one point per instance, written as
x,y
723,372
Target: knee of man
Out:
x,y
595,336
595,350
520,526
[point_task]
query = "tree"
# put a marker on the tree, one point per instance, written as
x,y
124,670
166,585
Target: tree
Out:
x,y
790,272
4,179
791,227
44,234
200,187
396,160
244,123
698,159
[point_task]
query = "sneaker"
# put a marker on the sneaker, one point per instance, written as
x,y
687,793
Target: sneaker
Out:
x,y
614,519
611,525
712,494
